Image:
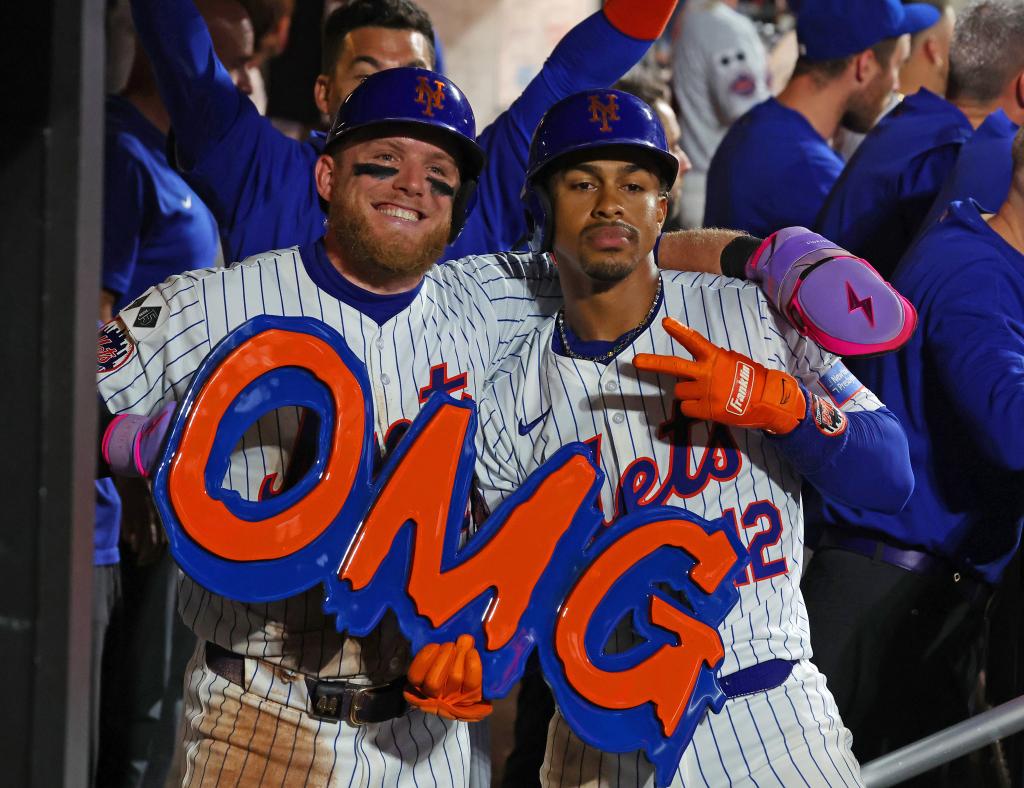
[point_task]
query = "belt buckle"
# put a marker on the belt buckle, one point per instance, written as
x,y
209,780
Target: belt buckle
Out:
x,y
355,706
327,701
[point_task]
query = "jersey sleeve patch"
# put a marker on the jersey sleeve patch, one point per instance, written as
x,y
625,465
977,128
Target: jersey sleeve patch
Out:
x,y
115,347
145,314
829,419
840,384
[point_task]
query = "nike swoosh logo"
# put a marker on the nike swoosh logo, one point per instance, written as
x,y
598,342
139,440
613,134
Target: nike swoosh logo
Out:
x,y
187,202
526,429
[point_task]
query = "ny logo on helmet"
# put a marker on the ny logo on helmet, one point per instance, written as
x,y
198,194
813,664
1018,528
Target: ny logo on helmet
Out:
x,y
603,112
430,98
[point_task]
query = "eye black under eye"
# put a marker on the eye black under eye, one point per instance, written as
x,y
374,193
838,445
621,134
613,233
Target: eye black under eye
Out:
x,y
378,171
440,188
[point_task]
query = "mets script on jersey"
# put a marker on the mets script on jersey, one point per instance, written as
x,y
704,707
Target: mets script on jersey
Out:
x,y
543,572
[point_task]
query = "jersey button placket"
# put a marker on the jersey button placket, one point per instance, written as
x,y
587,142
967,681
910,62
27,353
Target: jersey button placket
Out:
x,y
377,382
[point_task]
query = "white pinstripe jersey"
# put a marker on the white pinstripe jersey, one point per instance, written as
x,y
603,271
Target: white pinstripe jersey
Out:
x,y
464,319
714,471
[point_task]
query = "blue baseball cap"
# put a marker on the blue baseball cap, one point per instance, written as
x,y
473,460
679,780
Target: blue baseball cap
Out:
x,y
399,97
831,29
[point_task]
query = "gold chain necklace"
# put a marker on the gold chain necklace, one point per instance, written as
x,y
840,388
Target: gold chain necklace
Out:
x,y
623,342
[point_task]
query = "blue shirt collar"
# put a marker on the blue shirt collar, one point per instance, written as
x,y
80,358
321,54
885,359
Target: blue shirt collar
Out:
x,y
376,306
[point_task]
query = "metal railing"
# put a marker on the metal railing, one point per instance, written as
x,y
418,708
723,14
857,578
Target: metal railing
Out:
x,y
946,745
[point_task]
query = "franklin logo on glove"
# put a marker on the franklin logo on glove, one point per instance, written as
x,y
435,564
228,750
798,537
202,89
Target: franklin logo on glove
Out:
x,y
740,396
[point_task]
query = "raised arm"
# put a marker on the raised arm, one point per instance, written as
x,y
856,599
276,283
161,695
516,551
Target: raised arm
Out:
x,y
257,182
594,54
196,89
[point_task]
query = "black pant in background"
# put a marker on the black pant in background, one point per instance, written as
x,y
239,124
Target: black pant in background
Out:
x,y
901,651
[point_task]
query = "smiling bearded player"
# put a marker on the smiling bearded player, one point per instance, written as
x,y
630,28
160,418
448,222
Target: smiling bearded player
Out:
x,y
730,411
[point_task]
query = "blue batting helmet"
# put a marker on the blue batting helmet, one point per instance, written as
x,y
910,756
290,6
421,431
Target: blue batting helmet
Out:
x,y
415,97
590,120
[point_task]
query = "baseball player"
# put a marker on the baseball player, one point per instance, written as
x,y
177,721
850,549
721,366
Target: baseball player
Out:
x,y
259,183
903,600
731,432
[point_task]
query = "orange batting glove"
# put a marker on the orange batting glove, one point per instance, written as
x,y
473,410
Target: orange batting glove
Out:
x,y
726,386
447,679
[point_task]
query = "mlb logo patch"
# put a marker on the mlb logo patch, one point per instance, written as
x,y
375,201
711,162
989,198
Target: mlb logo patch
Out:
x,y
114,348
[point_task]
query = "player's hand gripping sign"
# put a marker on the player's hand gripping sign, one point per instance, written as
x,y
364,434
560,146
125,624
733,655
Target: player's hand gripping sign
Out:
x,y
543,572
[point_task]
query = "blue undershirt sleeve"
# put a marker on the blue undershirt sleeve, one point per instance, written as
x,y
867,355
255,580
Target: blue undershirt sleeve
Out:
x,y
866,466
257,182
196,89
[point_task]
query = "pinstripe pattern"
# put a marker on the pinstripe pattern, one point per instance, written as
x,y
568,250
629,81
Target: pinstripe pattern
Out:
x,y
588,400
467,316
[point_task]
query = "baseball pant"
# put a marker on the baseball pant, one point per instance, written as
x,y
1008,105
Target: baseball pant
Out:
x,y
260,734
787,736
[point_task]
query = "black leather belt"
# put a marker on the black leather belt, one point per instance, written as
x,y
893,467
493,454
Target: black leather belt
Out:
x,y
330,700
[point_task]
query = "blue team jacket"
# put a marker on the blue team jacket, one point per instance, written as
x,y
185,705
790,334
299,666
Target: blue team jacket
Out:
x,y
958,388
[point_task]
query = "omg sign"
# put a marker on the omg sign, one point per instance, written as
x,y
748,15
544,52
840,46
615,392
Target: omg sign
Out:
x,y
544,572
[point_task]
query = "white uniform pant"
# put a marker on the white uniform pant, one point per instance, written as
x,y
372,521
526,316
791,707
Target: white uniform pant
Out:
x,y
788,736
260,734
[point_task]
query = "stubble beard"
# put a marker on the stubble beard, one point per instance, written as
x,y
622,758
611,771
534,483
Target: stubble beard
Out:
x,y
866,110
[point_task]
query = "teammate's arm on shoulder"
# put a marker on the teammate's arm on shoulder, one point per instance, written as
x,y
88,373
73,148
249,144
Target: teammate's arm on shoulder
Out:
x,y
706,251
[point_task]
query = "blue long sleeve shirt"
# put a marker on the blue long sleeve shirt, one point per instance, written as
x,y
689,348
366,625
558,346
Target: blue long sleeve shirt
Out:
x,y
983,169
259,183
958,389
772,170
887,188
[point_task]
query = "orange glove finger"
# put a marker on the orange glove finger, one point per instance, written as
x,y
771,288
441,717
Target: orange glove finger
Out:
x,y
422,662
666,365
473,682
433,684
693,341
463,646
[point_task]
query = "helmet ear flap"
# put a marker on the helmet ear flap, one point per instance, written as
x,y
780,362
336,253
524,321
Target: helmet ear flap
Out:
x,y
540,221
463,203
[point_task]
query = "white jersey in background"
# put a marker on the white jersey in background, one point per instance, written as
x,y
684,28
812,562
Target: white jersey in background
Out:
x,y
466,316
719,71
650,455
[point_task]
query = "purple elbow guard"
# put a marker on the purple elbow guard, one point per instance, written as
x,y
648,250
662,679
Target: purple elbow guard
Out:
x,y
131,444
830,296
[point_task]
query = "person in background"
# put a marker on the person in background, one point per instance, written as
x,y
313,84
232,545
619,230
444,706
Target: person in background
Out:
x,y
927,67
271,23
849,65
898,604
259,183
720,70
878,205
154,225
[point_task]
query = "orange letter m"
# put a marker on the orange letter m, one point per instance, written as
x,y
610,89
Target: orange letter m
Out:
x,y
419,492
